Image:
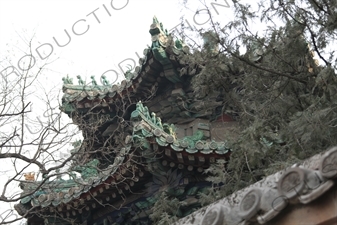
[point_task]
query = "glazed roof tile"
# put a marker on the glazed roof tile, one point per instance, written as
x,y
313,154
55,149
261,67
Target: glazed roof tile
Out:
x,y
164,135
151,69
61,191
261,202
148,74
57,192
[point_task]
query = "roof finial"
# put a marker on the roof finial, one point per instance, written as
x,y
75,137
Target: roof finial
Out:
x,y
67,80
104,81
29,176
155,20
80,81
93,81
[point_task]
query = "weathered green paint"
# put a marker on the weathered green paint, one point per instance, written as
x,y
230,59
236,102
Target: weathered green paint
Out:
x,y
88,170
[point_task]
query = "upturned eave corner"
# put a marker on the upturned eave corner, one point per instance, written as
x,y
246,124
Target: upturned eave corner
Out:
x,y
161,138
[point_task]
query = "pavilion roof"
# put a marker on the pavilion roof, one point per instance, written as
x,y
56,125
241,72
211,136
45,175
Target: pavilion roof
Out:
x,y
161,63
190,152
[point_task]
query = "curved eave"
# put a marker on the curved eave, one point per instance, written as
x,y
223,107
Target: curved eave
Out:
x,y
144,81
148,127
63,199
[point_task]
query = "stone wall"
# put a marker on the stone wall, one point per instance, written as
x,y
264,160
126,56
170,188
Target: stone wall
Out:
x,y
303,194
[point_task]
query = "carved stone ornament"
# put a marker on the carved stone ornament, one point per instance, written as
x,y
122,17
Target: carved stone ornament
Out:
x,y
292,183
261,204
328,165
303,185
250,204
215,215
271,205
316,193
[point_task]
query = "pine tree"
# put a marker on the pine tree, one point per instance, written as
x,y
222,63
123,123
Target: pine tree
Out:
x,y
282,88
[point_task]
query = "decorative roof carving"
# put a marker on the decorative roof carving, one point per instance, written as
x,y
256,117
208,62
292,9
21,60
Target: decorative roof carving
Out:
x,y
151,136
265,199
146,126
61,191
29,176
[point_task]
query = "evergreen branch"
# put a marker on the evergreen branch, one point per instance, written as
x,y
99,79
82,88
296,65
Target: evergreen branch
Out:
x,y
319,6
312,35
267,69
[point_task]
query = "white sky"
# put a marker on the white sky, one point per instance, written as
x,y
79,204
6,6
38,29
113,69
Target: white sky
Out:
x,y
103,46
117,37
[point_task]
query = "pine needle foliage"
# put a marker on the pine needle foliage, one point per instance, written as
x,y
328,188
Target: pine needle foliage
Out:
x,y
164,210
279,83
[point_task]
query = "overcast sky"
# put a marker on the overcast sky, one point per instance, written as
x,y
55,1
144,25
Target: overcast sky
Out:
x,y
113,31
104,34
